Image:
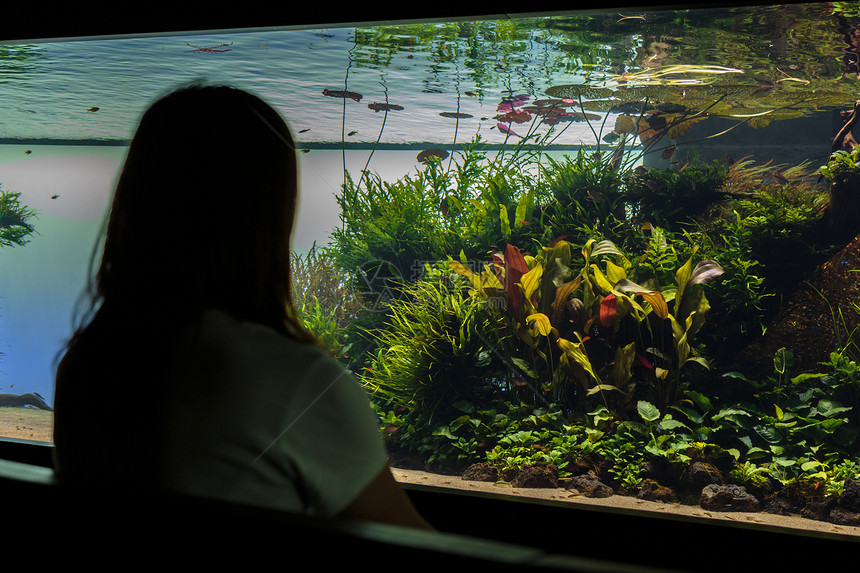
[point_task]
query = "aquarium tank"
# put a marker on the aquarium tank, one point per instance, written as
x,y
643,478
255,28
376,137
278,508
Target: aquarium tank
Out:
x,y
610,244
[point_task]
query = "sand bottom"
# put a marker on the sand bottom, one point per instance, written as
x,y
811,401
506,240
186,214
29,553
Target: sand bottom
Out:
x,y
794,522
27,424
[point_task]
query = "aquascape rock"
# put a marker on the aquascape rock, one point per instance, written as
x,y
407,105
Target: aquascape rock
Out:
x,y
20,401
727,498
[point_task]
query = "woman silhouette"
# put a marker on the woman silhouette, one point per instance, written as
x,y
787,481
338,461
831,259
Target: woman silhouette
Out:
x,y
191,372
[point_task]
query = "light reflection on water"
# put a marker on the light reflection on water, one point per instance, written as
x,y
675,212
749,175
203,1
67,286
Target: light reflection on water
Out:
x,y
55,83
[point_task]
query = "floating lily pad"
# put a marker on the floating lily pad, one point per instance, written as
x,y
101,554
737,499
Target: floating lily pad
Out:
x,y
575,91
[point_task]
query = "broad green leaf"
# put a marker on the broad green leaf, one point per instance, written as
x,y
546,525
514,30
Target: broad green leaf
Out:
x,y
829,408
648,411
782,359
524,366
524,208
670,424
806,466
806,376
506,225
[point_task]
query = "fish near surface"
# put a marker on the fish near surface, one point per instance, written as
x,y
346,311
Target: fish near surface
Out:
x,y
343,94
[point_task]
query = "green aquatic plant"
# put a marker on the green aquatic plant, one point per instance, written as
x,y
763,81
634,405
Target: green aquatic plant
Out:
x,y
843,172
842,166
392,224
15,225
587,196
794,414
670,197
580,333
437,349
325,301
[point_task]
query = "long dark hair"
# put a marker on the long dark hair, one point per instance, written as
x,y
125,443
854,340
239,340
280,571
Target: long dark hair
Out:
x,y
202,215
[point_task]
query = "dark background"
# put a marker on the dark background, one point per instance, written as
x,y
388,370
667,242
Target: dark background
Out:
x,y
37,20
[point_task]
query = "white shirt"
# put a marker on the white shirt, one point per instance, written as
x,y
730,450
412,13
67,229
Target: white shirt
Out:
x,y
264,420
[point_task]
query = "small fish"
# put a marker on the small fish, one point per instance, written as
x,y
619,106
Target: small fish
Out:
x,y
210,49
54,196
667,153
92,110
352,133
377,107
305,130
779,177
765,87
623,17
506,130
343,93
428,153
471,94
304,150
455,115
28,152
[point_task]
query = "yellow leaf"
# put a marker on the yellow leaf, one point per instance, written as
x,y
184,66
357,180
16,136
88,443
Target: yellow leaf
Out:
x,y
531,280
615,273
541,322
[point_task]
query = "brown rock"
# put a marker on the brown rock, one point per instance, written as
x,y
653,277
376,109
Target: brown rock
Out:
x,y
537,475
850,498
483,471
699,474
653,491
727,498
590,486
842,516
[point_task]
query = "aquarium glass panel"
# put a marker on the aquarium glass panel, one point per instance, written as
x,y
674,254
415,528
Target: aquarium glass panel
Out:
x,y
598,247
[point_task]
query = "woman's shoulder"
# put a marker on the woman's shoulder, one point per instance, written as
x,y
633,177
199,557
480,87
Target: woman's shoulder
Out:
x,y
229,334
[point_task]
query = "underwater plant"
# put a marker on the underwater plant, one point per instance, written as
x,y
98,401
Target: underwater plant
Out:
x,y
843,172
579,335
438,348
324,300
15,226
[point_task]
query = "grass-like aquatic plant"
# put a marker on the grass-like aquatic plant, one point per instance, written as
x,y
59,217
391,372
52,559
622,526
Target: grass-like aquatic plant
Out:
x,y
15,225
438,348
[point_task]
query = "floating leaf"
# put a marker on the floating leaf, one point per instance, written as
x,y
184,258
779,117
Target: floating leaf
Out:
x,y
624,124
574,91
